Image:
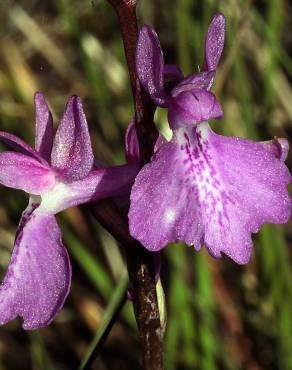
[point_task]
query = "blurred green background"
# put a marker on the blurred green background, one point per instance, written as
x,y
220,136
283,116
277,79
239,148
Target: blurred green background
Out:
x,y
220,315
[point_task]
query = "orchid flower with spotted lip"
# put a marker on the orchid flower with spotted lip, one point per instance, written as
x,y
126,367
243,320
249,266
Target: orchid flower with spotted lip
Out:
x,y
203,188
57,174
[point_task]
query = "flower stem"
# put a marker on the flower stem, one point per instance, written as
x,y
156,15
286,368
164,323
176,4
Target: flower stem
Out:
x,y
141,270
140,262
144,106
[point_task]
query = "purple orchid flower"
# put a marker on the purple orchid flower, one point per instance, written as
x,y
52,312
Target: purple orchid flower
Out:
x,y
57,174
203,188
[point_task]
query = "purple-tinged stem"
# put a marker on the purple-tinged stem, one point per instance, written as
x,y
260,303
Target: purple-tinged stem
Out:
x,y
144,107
142,272
141,265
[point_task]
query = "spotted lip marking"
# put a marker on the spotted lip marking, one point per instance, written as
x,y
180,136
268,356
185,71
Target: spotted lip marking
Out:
x,y
202,179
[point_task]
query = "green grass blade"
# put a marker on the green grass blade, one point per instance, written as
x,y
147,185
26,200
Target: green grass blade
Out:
x,y
116,302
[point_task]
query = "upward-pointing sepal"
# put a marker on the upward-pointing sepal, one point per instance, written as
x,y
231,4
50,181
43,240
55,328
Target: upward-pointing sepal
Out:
x,y
72,153
44,127
150,65
214,42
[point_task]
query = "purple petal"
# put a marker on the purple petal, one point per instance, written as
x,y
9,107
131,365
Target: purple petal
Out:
x,y
251,184
44,127
202,80
38,278
214,190
278,146
214,42
19,145
150,64
72,152
162,208
132,143
22,172
192,107
99,184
